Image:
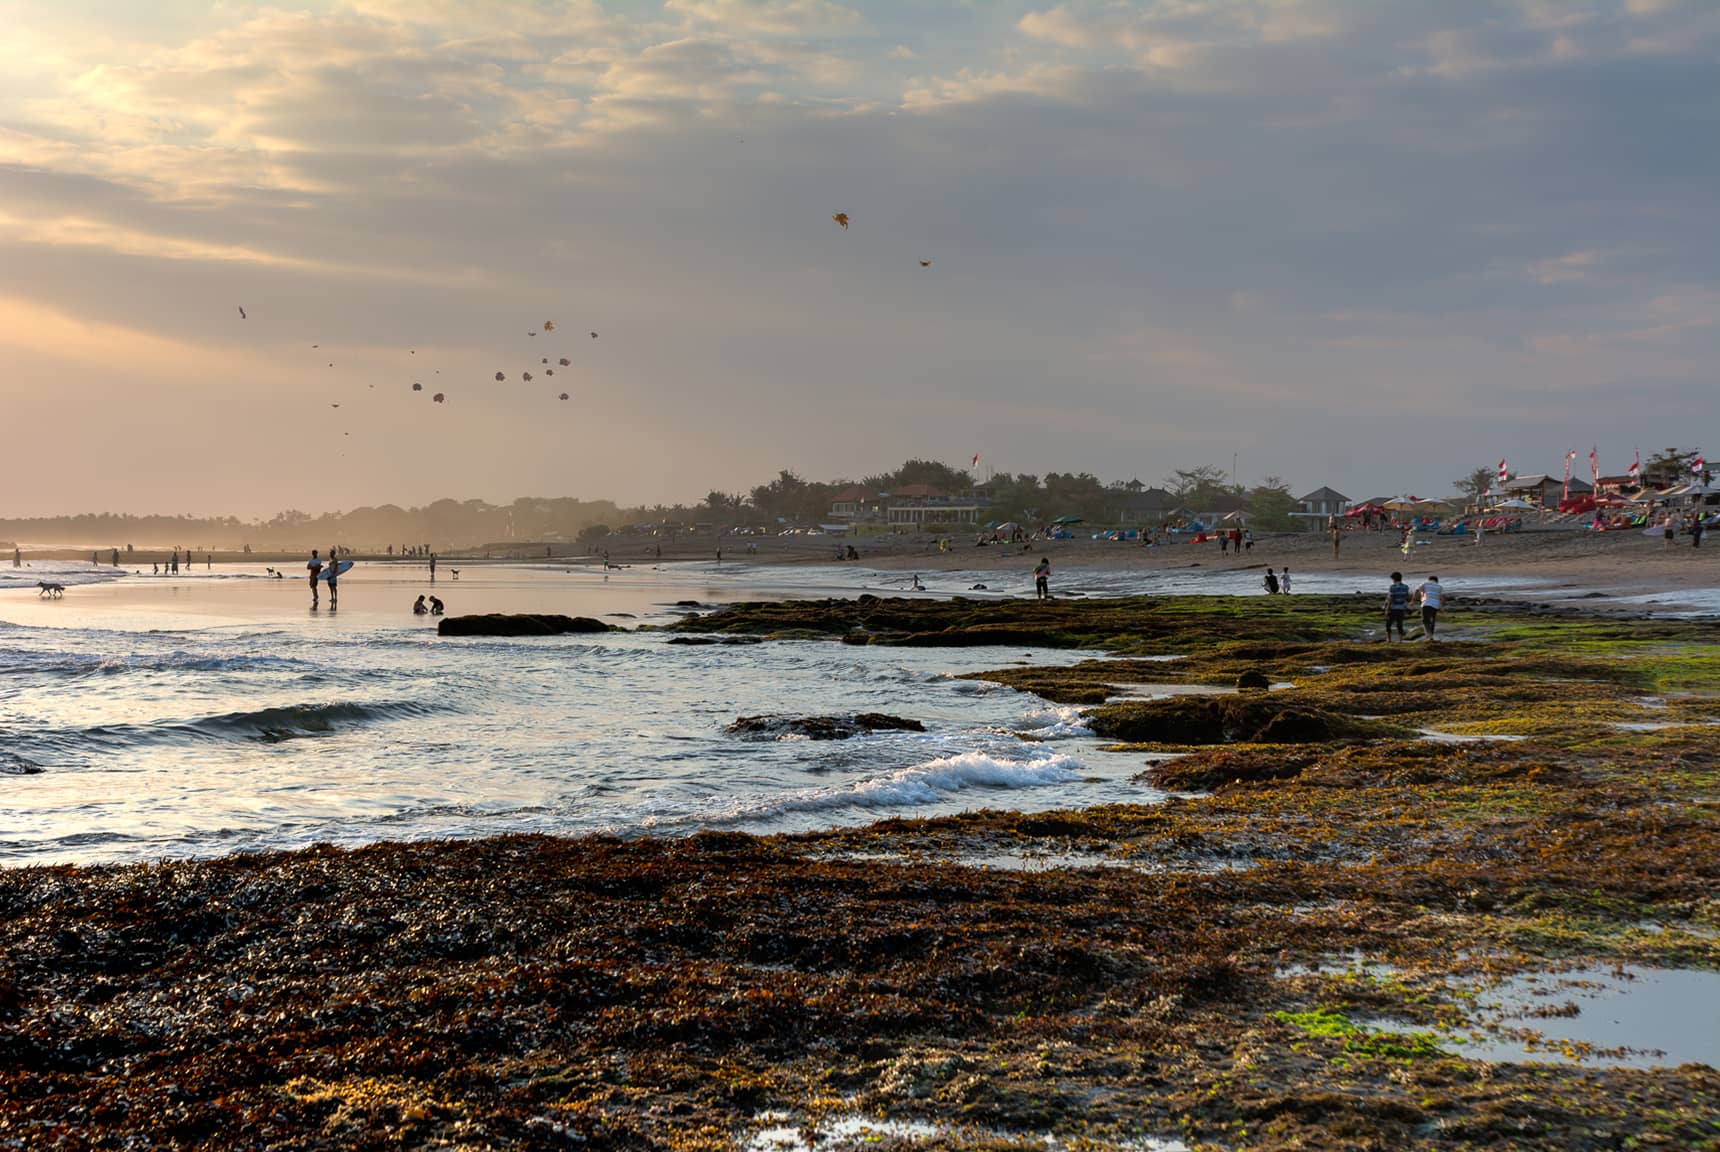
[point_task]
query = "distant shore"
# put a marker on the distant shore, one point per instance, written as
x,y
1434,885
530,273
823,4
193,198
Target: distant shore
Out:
x,y
1626,562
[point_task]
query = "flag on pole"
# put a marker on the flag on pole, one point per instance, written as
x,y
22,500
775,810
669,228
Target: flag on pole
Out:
x,y
1636,468
975,461
1504,474
1697,465
1569,456
1595,464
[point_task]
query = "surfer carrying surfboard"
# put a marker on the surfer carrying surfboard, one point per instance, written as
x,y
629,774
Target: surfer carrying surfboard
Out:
x,y
333,577
315,564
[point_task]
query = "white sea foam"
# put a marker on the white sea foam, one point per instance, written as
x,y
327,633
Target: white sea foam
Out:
x,y
1055,721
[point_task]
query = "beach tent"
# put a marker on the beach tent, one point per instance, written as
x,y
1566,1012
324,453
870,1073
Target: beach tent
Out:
x,y
1515,503
1067,520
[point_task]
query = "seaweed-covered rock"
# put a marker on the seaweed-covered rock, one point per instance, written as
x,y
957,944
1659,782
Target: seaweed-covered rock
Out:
x,y
1252,680
1227,720
820,727
524,624
705,641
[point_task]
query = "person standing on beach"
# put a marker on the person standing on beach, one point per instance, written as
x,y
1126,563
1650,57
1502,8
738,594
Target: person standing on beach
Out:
x,y
1337,539
314,566
1432,599
1669,534
1397,606
1042,579
1284,581
333,576
1270,582
1223,543
1697,529
1248,539
17,558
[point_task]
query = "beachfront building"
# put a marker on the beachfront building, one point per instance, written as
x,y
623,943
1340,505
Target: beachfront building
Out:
x,y
1545,490
856,504
1314,509
916,506
1134,503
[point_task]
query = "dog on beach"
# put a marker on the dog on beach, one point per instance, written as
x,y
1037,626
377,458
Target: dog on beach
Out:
x,y
51,590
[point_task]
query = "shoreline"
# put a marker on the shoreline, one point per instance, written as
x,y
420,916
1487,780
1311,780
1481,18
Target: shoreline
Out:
x,y
1279,957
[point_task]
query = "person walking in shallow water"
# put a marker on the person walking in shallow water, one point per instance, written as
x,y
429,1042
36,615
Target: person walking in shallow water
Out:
x,y
1270,582
1397,606
1042,579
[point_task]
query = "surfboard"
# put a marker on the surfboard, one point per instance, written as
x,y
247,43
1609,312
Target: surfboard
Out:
x,y
335,569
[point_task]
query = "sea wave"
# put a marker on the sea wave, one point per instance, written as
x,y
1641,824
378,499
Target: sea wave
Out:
x,y
928,783
1056,721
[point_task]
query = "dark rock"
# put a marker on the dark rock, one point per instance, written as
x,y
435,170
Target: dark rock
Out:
x,y
723,640
857,638
1227,720
688,604
866,598
525,624
1251,679
12,764
820,727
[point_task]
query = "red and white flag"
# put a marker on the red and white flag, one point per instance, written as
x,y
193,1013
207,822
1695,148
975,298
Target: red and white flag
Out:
x,y
1636,467
975,460
1504,474
1697,465
1595,464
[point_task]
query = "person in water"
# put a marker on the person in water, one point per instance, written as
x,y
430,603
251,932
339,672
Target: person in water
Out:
x,y
418,606
1432,599
1042,579
1270,582
1284,581
1397,606
314,566
435,606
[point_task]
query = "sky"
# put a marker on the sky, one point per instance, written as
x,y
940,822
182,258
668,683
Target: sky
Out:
x,y
1370,245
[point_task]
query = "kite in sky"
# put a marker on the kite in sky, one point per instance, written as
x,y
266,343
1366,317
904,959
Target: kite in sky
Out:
x,y
417,387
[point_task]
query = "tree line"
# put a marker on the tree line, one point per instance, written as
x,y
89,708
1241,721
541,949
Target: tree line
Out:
x,y
789,498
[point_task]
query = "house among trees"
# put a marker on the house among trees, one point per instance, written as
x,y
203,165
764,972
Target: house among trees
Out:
x,y
1135,503
1545,490
919,505
854,504
1316,507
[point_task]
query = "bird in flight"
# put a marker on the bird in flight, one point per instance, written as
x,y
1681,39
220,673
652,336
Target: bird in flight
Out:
x,y
564,395
242,315
439,398
594,335
417,387
334,405
527,377
549,371
842,219
549,325
499,376
563,361
925,263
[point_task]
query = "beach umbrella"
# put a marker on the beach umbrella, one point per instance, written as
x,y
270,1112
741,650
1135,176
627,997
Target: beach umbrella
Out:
x,y
1516,504
1403,504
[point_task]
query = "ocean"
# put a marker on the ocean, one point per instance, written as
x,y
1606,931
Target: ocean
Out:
x,y
147,717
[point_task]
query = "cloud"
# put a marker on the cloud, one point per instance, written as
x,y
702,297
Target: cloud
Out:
x,y
773,17
1569,268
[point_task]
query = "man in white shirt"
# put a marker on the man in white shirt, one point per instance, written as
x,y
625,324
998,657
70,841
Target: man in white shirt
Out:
x,y
1432,599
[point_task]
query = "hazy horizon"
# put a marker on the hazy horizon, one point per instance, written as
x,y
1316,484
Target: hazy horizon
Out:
x,y
1370,246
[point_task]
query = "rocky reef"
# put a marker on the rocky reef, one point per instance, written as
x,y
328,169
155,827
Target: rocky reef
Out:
x,y
820,727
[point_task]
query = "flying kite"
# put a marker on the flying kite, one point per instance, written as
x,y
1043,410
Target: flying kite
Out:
x,y
439,398
594,335
549,371
500,377
242,315
564,395
526,376
417,387
563,361
842,219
